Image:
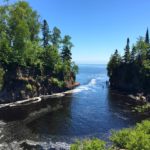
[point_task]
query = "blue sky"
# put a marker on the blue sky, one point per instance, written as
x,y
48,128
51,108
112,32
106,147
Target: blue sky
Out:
x,y
97,27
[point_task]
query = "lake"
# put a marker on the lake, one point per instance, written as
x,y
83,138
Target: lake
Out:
x,y
92,110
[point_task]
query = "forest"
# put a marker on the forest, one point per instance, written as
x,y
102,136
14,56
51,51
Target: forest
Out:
x,y
131,72
34,60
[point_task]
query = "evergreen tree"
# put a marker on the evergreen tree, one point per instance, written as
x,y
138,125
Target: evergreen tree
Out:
x,y
56,37
133,77
114,62
133,53
127,52
117,57
147,41
147,37
66,50
46,34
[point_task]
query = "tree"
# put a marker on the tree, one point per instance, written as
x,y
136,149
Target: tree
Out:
x,y
5,41
147,37
24,28
113,63
74,69
51,58
137,63
142,50
147,41
56,37
46,33
66,49
23,58
133,54
127,52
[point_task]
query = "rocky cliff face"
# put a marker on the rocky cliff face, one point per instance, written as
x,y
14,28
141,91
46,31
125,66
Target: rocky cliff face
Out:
x,y
24,83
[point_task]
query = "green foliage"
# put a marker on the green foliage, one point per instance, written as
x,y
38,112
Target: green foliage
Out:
x,y
137,62
66,50
127,52
21,46
114,62
56,37
50,58
56,83
133,54
29,87
74,68
147,37
94,144
142,109
46,33
136,138
19,33
1,77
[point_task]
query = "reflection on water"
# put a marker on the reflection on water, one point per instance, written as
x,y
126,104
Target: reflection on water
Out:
x,y
90,111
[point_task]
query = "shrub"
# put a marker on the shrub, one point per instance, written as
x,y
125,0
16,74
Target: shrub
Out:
x,y
29,87
142,109
57,83
120,138
137,138
94,144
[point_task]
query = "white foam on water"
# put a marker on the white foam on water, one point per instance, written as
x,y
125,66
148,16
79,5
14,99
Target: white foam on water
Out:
x,y
91,85
87,87
81,88
92,82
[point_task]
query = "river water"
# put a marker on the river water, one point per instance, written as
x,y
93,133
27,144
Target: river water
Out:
x,y
92,110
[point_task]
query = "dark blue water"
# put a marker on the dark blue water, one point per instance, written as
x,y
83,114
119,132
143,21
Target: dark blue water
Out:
x,y
92,110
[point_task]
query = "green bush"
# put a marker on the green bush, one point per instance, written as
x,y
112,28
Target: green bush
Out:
x,y
120,138
137,138
94,144
29,87
142,109
57,83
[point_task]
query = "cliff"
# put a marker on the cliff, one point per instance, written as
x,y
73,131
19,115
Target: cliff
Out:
x,y
23,84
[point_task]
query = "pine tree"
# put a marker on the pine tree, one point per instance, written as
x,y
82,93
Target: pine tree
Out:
x,y
46,33
66,50
147,37
56,37
133,53
147,41
127,52
117,57
114,62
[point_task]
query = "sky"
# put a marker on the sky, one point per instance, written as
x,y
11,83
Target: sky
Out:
x,y
97,27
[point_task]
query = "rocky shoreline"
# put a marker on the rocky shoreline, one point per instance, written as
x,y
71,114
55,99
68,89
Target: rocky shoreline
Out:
x,y
135,98
30,107
27,144
139,102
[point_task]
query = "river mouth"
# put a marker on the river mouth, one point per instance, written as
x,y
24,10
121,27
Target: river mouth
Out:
x,y
92,110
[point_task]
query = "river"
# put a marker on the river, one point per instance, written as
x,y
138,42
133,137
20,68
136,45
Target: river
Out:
x,y
92,110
